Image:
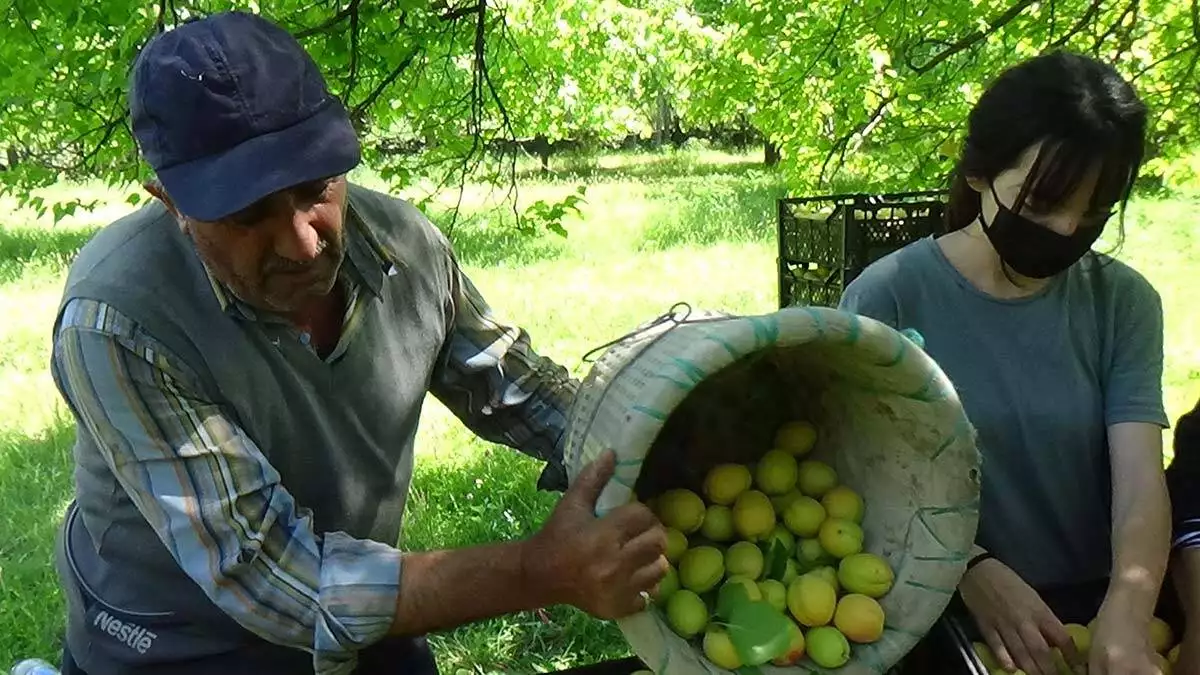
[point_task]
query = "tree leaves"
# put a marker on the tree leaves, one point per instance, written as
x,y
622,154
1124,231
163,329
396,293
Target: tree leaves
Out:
x,y
855,95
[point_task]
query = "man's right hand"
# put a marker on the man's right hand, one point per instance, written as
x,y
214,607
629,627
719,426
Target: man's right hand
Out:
x,y
1014,620
600,565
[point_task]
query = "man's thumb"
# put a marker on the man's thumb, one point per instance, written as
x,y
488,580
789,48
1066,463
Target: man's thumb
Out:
x,y
591,481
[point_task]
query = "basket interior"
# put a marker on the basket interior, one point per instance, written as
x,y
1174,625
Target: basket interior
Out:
x,y
914,467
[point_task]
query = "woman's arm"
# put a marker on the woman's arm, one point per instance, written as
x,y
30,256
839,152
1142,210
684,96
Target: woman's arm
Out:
x,y
1141,533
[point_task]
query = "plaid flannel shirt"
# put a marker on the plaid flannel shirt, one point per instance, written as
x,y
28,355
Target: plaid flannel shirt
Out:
x,y
205,486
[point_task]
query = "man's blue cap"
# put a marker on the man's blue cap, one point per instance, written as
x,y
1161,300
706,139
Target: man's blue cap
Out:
x,y
229,109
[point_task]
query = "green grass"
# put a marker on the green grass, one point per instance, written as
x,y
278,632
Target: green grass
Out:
x,y
654,231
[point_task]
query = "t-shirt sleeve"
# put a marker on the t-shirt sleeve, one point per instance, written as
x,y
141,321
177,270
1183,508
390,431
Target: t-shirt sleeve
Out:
x,y
872,294
1133,390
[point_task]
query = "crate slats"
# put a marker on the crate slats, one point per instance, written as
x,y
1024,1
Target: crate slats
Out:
x,y
827,241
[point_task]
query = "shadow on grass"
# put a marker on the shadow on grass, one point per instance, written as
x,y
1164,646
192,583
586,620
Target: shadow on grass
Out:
x,y
489,239
490,496
23,248
35,485
726,208
653,169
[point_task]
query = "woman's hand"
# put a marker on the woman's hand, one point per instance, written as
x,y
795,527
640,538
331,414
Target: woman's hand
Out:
x,y
1121,645
1015,622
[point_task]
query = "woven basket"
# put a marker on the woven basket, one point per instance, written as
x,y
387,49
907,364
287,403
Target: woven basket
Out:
x,y
694,389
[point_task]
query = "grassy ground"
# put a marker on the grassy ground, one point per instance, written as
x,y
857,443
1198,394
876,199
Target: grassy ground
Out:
x,y
654,231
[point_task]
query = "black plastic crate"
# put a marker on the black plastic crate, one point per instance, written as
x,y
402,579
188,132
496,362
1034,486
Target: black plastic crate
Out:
x,y
827,241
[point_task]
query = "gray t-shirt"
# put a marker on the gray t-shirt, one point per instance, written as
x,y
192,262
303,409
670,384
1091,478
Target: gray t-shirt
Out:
x,y
1041,378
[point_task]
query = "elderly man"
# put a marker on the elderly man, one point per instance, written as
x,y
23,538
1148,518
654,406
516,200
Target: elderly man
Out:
x,y
246,358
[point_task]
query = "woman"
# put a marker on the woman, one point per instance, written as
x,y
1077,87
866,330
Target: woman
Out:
x,y
1056,353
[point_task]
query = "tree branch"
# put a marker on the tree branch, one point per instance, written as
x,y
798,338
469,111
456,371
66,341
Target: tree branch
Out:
x,y
332,21
1196,20
971,39
1112,28
29,26
798,81
359,110
456,14
352,77
1079,25
1168,57
841,145
478,72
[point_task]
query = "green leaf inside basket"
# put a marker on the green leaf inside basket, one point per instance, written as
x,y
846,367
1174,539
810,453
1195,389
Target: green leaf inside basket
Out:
x,y
730,597
758,631
777,556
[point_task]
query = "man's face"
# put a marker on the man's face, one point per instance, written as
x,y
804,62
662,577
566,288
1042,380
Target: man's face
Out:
x,y
283,251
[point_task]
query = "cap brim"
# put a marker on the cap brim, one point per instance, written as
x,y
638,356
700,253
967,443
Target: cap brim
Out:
x,y
211,188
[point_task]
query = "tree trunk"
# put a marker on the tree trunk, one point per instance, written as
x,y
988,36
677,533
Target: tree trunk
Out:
x,y
770,153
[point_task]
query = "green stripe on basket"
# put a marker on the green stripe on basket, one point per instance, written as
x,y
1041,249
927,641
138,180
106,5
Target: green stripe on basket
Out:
x,y
929,587
901,348
955,508
961,428
733,351
630,462
693,371
620,480
766,330
929,528
904,631
924,394
855,330
686,386
650,412
662,637
945,445
949,558
870,654
817,319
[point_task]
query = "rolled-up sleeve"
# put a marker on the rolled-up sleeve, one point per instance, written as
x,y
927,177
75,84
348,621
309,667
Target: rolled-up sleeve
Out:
x,y
214,499
493,380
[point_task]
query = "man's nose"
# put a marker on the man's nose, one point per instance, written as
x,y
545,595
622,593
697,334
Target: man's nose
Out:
x,y
298,238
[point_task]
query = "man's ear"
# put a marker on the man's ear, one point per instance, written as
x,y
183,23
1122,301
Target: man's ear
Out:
x,y
156,190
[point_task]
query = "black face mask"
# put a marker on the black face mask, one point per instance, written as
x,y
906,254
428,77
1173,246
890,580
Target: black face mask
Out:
x,y
1032,250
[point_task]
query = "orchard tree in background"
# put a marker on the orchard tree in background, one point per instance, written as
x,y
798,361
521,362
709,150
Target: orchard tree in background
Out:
x,y
874,94
865,95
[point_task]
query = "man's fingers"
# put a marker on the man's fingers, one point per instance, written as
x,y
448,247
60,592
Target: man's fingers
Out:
x,y
646,547
591,481
646,578
633,519
1038,648
999,649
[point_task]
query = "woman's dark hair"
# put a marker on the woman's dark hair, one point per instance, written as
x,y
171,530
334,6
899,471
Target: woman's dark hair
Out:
x,y
1083,110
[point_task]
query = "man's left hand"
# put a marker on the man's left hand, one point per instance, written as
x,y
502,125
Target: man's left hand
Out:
x,y
1120,646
